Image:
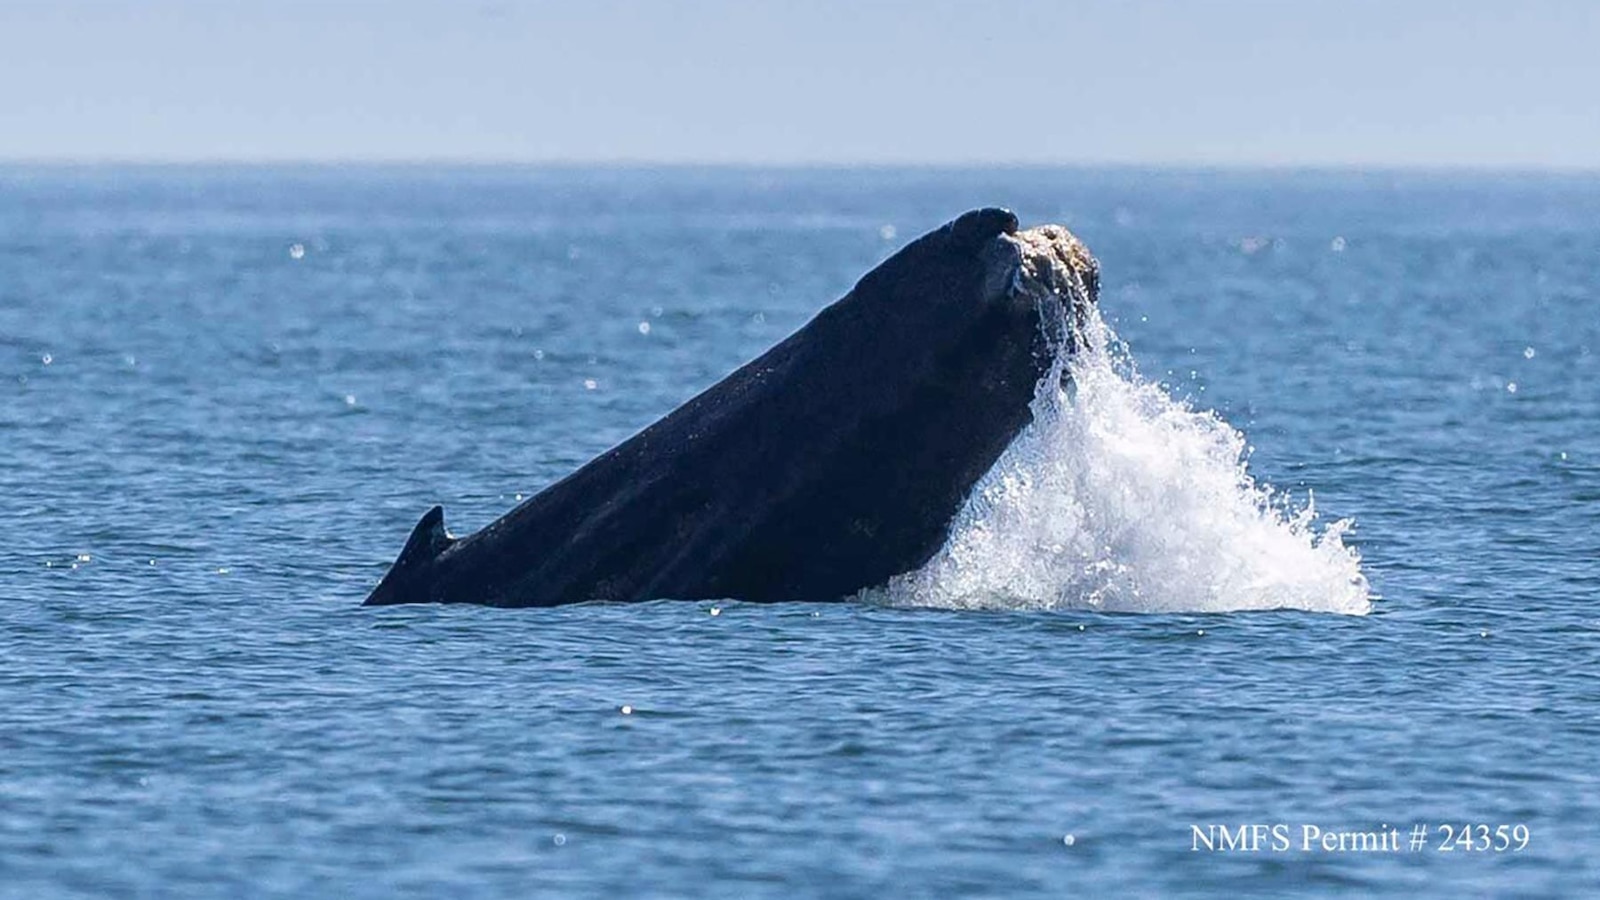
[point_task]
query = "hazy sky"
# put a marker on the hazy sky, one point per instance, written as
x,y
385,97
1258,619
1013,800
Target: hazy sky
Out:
x,y
1233,82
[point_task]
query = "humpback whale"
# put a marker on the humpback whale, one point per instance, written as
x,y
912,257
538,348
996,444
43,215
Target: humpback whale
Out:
x,y
829,464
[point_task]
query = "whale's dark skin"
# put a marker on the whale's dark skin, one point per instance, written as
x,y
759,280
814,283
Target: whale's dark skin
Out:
x,y
831,463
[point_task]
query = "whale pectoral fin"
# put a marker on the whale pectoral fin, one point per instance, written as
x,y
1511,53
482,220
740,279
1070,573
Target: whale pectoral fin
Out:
x,y
408,580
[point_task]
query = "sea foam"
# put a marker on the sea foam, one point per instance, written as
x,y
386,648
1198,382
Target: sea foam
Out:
x,y
1120,497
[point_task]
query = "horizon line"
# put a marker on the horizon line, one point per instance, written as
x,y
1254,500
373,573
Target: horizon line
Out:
x,y
647,163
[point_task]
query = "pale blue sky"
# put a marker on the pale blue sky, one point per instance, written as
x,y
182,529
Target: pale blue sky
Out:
x,y
1513,84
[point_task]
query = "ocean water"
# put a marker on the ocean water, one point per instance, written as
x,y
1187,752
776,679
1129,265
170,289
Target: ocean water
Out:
x,y
1312,541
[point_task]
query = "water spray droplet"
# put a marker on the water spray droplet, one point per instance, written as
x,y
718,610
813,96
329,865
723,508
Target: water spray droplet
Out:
x,y
1151,501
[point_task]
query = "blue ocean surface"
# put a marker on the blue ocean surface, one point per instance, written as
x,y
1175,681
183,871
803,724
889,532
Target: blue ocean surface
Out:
x,y
226,395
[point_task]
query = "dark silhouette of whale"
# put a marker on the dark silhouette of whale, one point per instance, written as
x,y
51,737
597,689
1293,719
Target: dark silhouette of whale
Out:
x,y
830,464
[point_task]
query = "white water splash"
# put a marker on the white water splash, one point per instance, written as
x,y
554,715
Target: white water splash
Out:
x,y
1119,498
